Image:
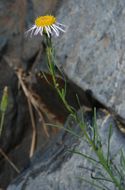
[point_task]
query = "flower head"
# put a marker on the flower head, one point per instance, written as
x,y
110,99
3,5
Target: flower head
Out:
x,y
46,24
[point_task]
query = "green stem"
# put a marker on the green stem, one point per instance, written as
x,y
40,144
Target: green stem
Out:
x,y
52,72
1,122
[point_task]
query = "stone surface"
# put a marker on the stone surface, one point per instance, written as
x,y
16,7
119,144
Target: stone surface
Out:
x,y
91,52
58,169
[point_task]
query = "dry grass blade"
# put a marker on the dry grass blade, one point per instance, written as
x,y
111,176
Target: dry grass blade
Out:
x,y
32,97
33,143
9,161
32,101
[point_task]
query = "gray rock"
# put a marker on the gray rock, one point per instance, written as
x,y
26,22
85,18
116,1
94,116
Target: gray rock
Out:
x,y
91,52
3,44
59,169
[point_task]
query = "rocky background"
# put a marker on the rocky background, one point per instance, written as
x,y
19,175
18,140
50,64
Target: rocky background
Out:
x,y
17,51
21,55
91,54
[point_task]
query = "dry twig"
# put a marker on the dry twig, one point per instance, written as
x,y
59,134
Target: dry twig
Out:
x,y
32,101
9,161
33,143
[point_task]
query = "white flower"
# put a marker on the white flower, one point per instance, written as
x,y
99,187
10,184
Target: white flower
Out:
x,y
46,24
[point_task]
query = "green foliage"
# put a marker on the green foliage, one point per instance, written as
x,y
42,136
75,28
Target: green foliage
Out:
x,y
110,172
3,107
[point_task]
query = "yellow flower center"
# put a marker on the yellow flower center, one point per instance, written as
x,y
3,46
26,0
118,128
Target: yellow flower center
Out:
x,y
43,21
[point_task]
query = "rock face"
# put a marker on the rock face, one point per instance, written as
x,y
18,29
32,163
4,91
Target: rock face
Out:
x,y
92,56
58,169
92,50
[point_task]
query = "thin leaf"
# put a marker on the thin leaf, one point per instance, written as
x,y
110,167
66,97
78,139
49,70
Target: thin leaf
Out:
x,y
65,129
3,107
84,155
109,138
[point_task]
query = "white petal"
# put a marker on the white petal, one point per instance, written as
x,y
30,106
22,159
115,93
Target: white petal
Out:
x,y
41,31
61,24
47,31
59,28
30,30
31,33
55,30
36,31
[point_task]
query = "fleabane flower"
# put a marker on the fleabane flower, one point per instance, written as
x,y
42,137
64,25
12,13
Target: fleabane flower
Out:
x,y
46,24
